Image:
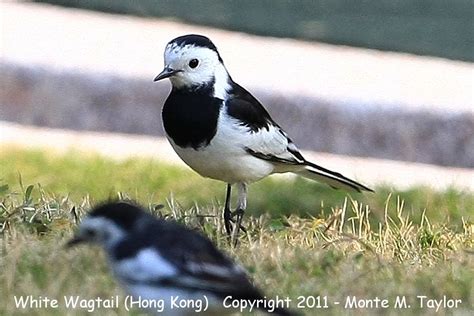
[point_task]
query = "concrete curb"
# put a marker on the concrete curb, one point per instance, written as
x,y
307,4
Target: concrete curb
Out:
x,y
400,175
334,99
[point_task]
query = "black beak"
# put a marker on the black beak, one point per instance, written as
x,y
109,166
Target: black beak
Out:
x,y
166,73
74,241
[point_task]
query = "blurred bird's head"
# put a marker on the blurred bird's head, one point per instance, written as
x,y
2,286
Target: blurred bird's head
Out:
x,y
193,62
108,224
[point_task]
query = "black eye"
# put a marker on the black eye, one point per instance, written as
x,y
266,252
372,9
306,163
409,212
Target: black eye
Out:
x,y
89,233
193,63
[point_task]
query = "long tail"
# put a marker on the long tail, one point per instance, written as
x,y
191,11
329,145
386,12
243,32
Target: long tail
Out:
x,y
331,178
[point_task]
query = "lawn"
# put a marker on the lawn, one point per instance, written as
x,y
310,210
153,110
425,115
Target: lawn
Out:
x,y
303,240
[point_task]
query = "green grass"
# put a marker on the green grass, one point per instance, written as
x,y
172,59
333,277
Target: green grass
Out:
x,y
418,242
147,180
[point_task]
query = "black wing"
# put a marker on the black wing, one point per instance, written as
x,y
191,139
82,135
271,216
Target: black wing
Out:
x,y
267,140
199,264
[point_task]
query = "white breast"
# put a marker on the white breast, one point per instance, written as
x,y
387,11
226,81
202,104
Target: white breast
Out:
x,y
146,265
225,158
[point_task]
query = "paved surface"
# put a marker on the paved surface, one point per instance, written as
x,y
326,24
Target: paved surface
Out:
x,y
85,70
79,40
400,175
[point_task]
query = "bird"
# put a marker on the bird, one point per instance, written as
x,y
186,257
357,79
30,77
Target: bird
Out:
x,y
156,259
223,132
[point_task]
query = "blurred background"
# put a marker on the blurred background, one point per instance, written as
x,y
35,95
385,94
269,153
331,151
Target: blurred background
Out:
x,y
427,27
382,79
379,90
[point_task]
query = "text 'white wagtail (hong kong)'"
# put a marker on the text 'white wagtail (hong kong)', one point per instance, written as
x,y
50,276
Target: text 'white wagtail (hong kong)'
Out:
x,y
223,132
162,261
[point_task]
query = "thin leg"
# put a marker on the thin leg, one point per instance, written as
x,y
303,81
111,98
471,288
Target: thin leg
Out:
x,y
240,211
227,212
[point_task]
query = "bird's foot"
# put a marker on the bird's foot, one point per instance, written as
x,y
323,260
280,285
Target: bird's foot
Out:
x,y
238,214
228,219
232,220
234,216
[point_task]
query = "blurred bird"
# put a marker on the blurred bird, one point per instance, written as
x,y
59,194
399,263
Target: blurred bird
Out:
x,y
160,260
222,131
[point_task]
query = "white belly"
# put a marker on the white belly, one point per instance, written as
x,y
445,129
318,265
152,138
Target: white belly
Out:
x,y
229,164
225,158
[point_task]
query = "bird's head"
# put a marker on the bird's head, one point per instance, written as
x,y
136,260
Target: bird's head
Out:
x,y
107,224
192,61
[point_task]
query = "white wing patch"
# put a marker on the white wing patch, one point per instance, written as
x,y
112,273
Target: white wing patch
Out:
x,y
214,269
273,144
147,265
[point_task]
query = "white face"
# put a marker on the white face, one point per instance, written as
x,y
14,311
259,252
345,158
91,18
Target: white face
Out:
x,y
100,230
196,65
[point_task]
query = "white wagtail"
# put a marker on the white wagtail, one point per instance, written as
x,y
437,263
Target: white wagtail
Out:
x,y
222,131
156,259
